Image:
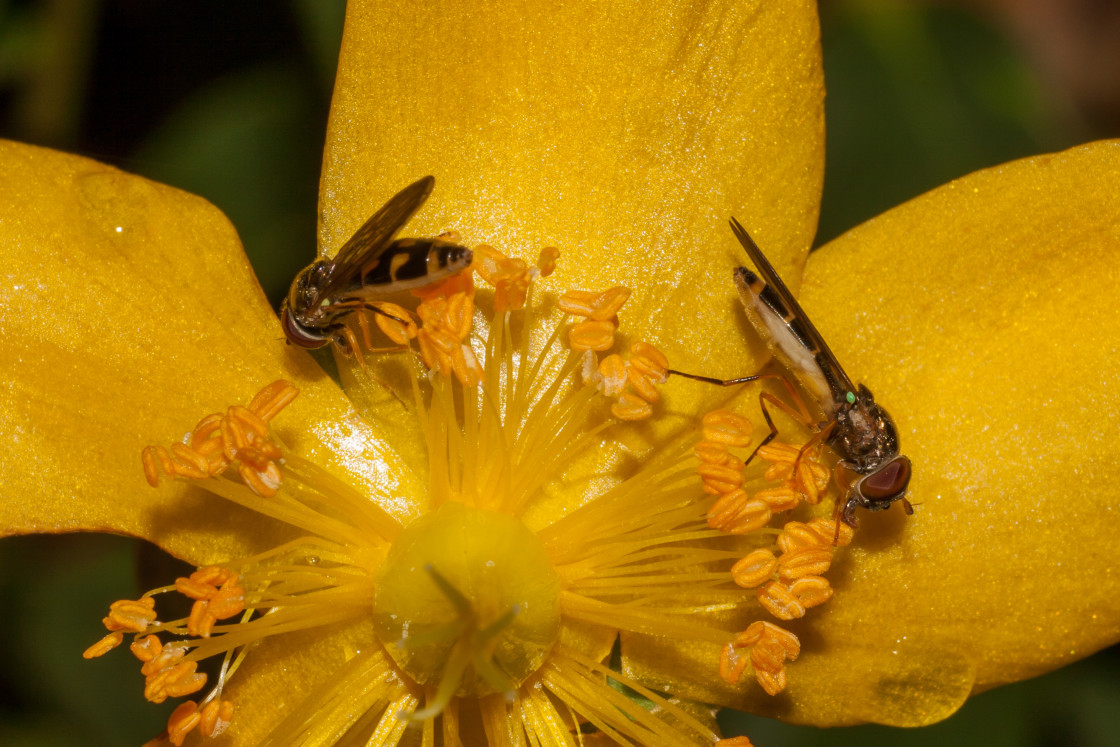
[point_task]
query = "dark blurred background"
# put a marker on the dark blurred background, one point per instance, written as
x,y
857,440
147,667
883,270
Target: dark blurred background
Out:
x,y
228,99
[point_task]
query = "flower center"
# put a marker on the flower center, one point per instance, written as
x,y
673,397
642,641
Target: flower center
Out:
x,y
468,599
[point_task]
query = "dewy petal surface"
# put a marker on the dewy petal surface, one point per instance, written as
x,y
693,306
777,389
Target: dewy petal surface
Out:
x,y
128,311
983,316
625,134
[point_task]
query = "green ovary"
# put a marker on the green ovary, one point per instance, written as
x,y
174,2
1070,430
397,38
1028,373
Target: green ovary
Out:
x,y
467,598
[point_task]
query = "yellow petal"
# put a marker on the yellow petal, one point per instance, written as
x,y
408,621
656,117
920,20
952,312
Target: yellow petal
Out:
x,y
128,312
624,134
983,317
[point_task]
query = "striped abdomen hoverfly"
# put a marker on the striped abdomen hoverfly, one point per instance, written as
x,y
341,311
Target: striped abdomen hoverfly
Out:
x,y
871,470
369,267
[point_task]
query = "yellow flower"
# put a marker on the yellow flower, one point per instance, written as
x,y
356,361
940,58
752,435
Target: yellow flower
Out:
x,y
129,313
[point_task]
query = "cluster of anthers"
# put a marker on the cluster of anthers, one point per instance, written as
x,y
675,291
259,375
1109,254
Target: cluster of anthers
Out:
x,y
168,669
446,313
788,576
238,439
632,384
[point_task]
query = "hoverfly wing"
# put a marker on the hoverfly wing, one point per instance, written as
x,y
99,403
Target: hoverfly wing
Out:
x,y
375,235
816,355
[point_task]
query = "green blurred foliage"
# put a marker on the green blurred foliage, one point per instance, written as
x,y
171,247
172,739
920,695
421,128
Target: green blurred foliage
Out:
x,y
917,96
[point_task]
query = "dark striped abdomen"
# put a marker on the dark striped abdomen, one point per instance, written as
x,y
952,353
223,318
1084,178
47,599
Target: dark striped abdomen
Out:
x,y
412,263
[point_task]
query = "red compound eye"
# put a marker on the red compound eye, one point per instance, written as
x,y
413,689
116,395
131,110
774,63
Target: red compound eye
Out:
x,y
888,483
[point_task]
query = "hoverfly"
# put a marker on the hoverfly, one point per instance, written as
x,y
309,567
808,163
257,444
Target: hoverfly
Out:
x,y
368,267
871,470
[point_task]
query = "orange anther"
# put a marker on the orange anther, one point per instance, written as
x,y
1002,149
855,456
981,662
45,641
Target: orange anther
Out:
x,y
216,716
174,681
153,458
811,561
206,428
183,680
732,662
826,530
631,407
780,499
812,478
547,260
214,575
465,366
738,516
776,451
130,615
761,630
460,315
591,335
165,658
612,371
650,361
189,463
780,602
767,656
195,589
200,622
259,455
578,302
734,742
183,720
721,478
754,569
273,398
778,471
772,683
264,483
249,420
798,536
726,427
234,438
710,452
608,303
643,386
811,590
400,333
147,648
229,601
104,646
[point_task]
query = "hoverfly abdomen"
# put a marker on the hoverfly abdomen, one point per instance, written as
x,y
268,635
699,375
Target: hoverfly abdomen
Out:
x,y
412,263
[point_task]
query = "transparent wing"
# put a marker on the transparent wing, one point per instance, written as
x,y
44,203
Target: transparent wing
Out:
x,y
369,241
834,372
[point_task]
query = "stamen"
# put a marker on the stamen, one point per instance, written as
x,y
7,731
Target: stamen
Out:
x,y
134,616
769,647
808,562
183,721
389,323
754,569
727,428
238,439
780,602
216,717
510,277
104,646
591,335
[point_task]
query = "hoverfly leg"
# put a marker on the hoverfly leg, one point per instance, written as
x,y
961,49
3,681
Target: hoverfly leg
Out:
x,y
717,382
347,342
818,438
